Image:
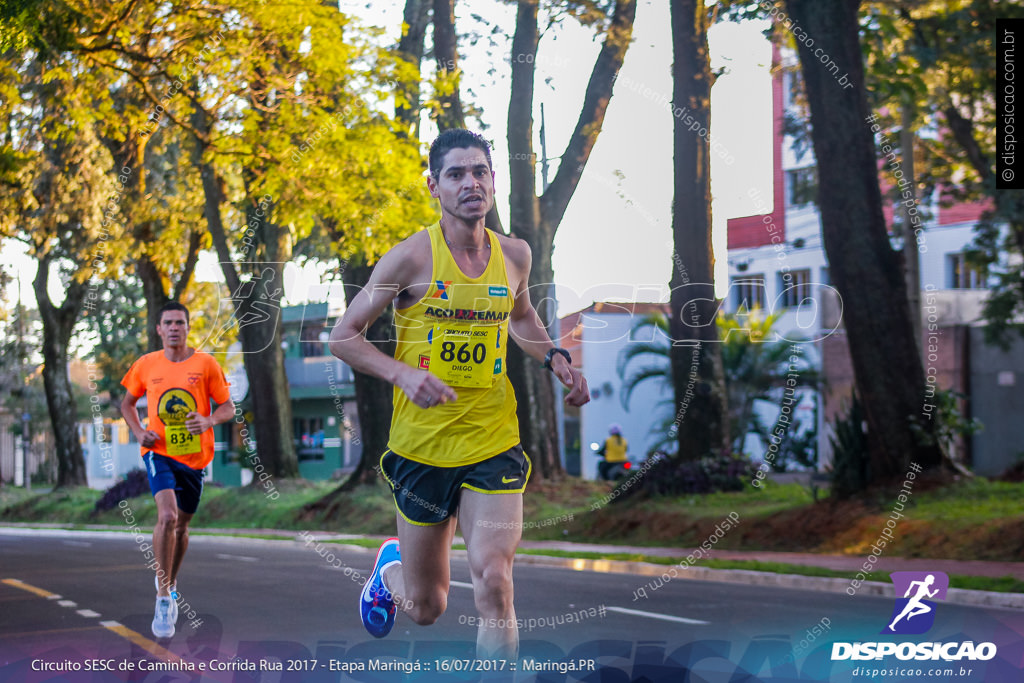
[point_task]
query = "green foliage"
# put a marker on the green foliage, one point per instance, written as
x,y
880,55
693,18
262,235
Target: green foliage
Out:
x,y
849,451
933,60
756,367
116,326
950,423
796,447
42,25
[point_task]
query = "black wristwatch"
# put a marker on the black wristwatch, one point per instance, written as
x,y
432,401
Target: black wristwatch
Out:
x,y
551,354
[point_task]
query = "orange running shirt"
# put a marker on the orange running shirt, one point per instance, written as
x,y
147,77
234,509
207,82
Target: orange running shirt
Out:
x,y
173,390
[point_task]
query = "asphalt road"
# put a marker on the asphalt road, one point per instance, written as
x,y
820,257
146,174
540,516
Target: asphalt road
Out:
x,y
73,602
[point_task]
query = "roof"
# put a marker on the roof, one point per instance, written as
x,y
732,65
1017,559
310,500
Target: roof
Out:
x,y
571,326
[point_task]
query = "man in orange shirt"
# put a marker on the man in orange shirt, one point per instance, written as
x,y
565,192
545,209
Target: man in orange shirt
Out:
x,y
177,444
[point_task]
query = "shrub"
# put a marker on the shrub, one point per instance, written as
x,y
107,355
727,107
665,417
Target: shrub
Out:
x,y
849,451
672,477
135,483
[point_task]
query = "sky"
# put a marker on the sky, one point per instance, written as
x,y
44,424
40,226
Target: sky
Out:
x,y
614,242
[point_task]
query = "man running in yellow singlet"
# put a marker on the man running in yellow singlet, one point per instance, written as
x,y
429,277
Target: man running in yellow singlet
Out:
x,y
460,292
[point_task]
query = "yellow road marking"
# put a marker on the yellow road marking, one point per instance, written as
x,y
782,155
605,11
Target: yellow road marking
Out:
x,y
120,629
31,589
140,640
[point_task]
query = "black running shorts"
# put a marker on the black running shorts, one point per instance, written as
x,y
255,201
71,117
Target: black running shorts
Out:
x,y
426,495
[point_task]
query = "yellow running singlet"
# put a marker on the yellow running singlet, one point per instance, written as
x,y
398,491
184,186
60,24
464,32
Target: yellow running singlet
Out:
x,y
459,332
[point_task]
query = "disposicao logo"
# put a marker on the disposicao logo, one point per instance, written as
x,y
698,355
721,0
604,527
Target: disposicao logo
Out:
x,y
913,614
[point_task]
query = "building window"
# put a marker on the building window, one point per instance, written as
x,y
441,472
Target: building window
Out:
x,y
802,185
963,275
309,438
792,89
795,286
748,292
310,344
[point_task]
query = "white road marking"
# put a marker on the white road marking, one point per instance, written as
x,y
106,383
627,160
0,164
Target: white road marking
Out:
x,y
67,603
241,558
88,613
655,615
461,584
110,624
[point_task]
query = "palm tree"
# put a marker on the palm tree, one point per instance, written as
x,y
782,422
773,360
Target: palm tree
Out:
x,y
658,369
754,369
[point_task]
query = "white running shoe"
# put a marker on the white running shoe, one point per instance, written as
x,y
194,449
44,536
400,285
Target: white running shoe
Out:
x,y
174,599
163,625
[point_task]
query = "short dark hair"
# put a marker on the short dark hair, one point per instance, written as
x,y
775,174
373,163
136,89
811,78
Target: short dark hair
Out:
x,y
455,138
172,306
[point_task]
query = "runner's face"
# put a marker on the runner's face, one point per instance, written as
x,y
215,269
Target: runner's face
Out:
x,y
465,186
173,329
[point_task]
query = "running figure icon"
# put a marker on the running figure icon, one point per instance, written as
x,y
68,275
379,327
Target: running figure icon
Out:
x,y
915,606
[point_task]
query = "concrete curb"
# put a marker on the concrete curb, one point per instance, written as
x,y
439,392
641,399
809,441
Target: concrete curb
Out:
x,y
959,596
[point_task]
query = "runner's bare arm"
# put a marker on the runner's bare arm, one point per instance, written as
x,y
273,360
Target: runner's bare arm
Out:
x,y
146,437
526,329
393,273
197,424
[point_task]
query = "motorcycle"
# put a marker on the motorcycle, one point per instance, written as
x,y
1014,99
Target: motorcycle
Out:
x,y
613,471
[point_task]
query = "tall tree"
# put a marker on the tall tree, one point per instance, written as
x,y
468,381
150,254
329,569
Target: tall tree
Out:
x,y
535,218
447,102
410,53
307,171
60,199
862,264
703,429
935,58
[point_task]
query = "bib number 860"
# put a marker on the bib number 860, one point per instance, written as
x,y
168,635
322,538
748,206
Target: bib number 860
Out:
x,y
463,354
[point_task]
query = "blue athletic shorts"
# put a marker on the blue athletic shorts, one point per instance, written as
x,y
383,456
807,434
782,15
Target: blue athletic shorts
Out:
x,y
168,473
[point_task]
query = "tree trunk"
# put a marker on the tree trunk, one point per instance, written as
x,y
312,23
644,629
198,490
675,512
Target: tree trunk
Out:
x,y
58,324
374,405
258,312
257,308
863,266
410,48
156,296
535,219
374,397
449,113
702,416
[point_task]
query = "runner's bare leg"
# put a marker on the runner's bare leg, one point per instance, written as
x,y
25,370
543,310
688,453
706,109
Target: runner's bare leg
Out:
x,y
164,539
491,549
422,590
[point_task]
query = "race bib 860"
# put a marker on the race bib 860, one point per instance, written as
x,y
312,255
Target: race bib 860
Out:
x,y
464,356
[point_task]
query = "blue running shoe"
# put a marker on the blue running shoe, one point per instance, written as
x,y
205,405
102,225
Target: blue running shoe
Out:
x,y
376,604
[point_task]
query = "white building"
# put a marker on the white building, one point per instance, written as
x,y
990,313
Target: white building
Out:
x,y
777,261
596,338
